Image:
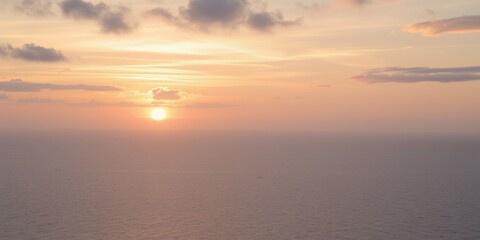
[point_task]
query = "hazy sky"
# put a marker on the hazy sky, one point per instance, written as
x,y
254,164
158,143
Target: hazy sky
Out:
x,y
387,65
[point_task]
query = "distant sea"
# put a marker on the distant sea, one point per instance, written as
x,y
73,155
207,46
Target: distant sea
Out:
x,y
238,185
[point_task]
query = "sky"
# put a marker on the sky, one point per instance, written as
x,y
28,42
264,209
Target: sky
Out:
x,y
296,65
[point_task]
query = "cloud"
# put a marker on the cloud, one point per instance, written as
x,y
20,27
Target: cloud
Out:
x,y
197,105
17,85
110,20
163,94
31,52
451,25
431,13
206,105
85,104
95,103
355,3
221,12
360,3
265,21
166,16
314,7
36,8
420,74
3,96
226,14
36,100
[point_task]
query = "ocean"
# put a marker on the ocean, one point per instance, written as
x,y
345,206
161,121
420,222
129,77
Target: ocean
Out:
x,y
77,185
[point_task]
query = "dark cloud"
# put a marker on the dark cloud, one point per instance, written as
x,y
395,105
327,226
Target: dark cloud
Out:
x,y
162,94
17,85
420,74
36,8
265,21
210,12
83,10
451,25
110,20
226,14
31,52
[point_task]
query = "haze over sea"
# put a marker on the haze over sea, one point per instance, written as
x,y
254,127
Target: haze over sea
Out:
x,y
238,185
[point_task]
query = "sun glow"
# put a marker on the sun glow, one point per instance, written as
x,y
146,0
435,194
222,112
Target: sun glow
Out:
x,y
158,114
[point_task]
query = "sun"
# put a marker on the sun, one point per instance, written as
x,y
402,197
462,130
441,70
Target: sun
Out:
x,y
158,114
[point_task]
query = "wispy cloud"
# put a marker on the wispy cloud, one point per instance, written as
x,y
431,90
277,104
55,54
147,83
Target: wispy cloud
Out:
x,y
17,85
166,16
111,20
163,94
195,105
227,14
361,3
36,8
204,105
36,100
164,97
96,103
314,7
451,25
420,74
31,52
85,104
355,3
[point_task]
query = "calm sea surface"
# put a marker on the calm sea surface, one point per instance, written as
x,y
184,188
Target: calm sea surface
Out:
x,y
113,186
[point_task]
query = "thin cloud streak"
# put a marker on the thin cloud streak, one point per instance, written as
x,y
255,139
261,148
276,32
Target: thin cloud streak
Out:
x,y
420,74
355,3
17,85
86,104
463,24
204,105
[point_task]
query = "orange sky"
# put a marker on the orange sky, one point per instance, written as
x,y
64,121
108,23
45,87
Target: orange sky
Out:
x,y
325,65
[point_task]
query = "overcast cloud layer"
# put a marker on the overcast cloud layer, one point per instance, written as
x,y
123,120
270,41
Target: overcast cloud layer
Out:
x,y
420,74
